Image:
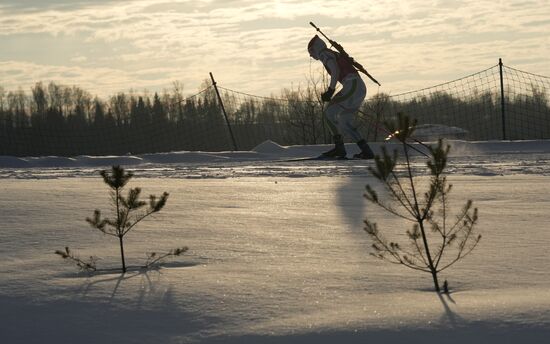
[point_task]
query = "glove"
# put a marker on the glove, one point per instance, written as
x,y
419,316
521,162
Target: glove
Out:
x,y
327,95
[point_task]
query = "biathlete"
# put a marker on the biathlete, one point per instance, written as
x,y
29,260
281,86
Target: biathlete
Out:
x,y
341,108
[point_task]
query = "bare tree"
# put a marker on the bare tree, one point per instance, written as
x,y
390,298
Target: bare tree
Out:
x,y
176,102
2,106
56,95
373,113
119,105
17,105
435,241
2,97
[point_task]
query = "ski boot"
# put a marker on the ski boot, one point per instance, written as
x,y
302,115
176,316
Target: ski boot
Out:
x,y
339,150
366,152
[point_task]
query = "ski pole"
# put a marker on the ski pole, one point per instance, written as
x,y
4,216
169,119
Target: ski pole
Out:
x,y
381,128
390,134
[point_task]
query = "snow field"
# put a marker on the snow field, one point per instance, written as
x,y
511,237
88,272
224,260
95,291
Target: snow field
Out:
x,y
272,259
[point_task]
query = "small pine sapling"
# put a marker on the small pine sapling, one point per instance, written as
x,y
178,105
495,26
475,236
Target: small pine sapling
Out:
x,y
154,258
128,211
435,242
84,265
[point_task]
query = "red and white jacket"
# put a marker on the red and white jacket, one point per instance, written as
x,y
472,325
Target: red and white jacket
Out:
x,y
337,66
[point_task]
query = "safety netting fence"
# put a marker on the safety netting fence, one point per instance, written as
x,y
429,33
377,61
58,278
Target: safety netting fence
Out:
x,y
498,103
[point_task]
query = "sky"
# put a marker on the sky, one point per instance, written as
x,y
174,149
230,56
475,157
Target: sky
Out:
x,y
259,46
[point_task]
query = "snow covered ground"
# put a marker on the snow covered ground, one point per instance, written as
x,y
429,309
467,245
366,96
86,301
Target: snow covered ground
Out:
x,y
277,252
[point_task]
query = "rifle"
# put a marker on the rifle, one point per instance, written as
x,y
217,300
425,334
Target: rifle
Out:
x,y
341,50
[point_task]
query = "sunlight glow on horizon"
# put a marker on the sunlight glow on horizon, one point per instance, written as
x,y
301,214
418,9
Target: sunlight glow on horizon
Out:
x,y
258,47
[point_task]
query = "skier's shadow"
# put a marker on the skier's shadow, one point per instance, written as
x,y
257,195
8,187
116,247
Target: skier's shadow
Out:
x,y
351,202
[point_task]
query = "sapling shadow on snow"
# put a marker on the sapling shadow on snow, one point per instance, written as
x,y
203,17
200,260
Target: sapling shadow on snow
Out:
x,y
128,211
437,238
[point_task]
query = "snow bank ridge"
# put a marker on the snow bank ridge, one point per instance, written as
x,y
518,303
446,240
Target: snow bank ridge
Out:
x,y
266,151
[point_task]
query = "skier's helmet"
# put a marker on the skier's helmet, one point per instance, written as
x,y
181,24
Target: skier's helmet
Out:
x,y
315,46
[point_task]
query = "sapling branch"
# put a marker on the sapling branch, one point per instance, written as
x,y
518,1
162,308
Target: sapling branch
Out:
x,y
89,265
155,258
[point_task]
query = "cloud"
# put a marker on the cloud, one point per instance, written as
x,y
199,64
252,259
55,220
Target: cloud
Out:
x,y
79,59
27,74
41,5
259,46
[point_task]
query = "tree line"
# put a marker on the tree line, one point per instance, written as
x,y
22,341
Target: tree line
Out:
x,y
60,120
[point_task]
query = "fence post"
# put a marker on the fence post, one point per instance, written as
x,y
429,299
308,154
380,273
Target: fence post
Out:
x,y
224,112
502,100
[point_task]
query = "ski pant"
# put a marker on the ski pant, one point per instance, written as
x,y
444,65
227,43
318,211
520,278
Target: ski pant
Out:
x,y
341,110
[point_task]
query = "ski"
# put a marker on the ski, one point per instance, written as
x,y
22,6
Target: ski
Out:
x,y
322,158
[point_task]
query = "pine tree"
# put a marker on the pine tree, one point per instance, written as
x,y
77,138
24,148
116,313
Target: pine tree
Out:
x,y
128,211
434,242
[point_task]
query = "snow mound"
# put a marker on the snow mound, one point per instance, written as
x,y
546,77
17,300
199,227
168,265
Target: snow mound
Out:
x,y
97,161
270,151
433,132
269,147
51,161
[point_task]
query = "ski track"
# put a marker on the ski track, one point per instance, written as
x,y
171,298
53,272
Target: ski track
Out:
x,y
483,165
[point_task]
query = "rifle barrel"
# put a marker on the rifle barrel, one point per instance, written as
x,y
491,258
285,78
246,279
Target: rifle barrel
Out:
x,y
342,51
